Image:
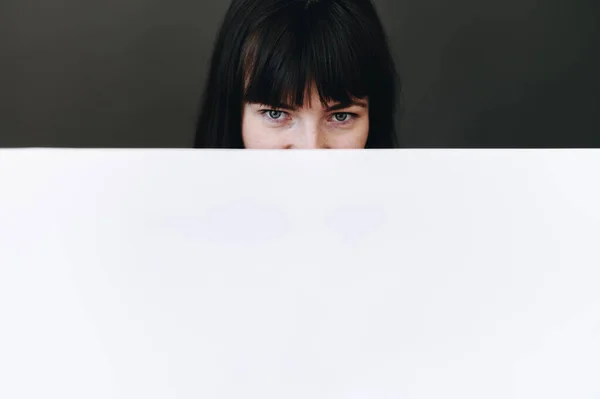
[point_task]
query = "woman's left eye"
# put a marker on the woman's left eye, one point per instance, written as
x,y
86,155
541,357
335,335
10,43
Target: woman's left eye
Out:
x,y
341,116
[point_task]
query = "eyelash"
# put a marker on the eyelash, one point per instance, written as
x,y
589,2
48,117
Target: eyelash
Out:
x,y
265,112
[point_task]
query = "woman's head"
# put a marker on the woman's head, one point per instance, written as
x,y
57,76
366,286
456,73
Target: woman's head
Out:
x,y
299,74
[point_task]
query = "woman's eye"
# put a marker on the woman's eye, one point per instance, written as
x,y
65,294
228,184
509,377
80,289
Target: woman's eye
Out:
x,y
274,114
341,117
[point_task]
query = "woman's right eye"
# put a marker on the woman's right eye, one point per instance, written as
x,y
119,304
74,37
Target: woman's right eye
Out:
x,y
274,114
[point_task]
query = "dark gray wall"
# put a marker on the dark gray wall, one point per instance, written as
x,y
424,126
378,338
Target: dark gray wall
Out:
x,y
129,73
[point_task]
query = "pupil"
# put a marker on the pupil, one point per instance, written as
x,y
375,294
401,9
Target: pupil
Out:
x,y
340,117
275,114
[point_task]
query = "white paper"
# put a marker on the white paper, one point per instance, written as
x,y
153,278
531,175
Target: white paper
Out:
x,y
305,274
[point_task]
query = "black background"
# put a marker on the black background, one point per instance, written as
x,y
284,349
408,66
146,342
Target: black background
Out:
x,y
129,73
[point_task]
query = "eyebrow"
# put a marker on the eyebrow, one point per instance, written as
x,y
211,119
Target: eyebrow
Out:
x,y
335,107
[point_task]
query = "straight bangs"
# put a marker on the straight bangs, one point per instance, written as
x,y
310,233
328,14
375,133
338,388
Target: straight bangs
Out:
x,y
277,52
306,47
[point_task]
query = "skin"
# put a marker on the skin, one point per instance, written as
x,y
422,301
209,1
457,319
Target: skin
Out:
x,y
313,126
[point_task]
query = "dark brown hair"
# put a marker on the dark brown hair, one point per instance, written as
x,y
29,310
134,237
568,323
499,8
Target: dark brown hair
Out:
x,y
270,51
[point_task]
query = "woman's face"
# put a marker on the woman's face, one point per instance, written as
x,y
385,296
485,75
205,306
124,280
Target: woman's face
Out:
x,y
313,126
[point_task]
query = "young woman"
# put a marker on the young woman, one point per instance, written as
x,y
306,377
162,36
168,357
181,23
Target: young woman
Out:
x,y
291,74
